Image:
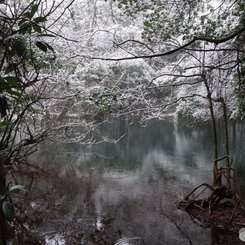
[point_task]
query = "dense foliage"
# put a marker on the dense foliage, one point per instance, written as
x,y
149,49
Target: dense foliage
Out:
x,y
205,38
24,57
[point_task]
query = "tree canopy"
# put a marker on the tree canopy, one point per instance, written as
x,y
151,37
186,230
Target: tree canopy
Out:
x,y
186,20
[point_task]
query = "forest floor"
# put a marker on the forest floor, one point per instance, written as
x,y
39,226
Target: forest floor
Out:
x,y
225,215
221,210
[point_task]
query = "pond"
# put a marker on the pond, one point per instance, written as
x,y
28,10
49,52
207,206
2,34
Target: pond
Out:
x,y
123,193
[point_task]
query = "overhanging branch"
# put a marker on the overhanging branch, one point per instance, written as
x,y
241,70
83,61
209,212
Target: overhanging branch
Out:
x,y
195,39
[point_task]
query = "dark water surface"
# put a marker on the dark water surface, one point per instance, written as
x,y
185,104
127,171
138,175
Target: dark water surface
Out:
x,y
126,193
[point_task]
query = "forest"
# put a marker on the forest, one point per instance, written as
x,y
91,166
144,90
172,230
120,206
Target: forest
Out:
x,y
70,67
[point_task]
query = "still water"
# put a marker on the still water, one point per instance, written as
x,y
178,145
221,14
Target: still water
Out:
x,y
125,193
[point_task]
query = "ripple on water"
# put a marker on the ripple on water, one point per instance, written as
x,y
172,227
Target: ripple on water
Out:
x,y
130,241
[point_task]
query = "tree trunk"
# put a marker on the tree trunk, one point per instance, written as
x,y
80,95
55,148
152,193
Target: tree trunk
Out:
x,y
217,178
226,146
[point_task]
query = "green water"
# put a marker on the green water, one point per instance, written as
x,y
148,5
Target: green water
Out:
x,y
129,189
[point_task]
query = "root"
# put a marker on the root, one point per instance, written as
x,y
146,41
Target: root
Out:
x,y
218,193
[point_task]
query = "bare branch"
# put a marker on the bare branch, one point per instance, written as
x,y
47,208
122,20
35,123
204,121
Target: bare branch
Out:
x,y
174,75
136,41
195,39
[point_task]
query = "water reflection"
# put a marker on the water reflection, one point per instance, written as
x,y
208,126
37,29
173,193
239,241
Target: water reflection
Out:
x,y
56,240
122,193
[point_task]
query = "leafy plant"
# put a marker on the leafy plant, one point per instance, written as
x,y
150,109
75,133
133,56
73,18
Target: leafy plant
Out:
x,y
7,208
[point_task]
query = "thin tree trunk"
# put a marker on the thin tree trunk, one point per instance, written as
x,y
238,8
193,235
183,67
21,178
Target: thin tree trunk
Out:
x,y
217,178
226,146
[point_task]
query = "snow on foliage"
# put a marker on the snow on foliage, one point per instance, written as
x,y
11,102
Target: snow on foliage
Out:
x,y
81,87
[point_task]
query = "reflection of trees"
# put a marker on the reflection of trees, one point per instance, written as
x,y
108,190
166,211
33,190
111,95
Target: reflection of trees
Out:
x,y
72,198
184,145
59,203
142,209
71,206
178,142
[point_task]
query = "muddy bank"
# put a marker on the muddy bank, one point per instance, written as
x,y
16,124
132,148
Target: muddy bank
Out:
x,y
225,216
225,219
